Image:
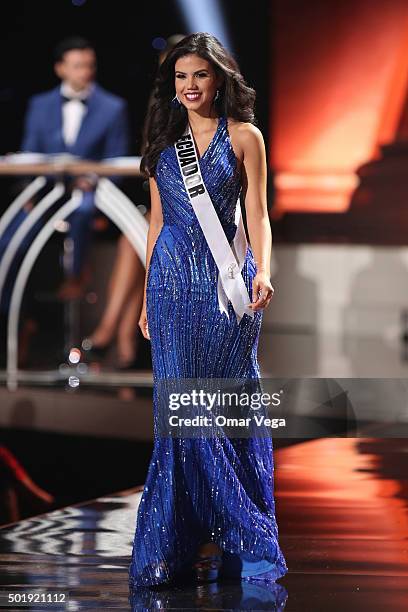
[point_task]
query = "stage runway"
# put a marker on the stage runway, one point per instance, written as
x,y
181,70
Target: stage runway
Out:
x,y
343,519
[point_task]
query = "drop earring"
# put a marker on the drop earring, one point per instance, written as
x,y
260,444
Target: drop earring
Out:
x,y
217,95
176,102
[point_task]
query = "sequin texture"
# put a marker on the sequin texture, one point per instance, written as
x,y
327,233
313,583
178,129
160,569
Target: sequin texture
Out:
x,y
205,489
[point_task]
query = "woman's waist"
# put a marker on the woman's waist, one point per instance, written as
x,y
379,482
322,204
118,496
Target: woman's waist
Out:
x,y
191,264
176,241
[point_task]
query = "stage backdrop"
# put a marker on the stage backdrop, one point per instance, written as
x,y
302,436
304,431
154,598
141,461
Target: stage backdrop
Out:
x,y
338,87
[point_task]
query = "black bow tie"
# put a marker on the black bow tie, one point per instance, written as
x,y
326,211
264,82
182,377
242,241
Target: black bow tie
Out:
x,y
66,99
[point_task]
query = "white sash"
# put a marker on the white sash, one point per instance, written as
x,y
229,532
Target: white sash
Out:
x,y
229,260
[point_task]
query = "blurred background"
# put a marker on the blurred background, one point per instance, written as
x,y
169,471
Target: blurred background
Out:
x,y
76,425
332,102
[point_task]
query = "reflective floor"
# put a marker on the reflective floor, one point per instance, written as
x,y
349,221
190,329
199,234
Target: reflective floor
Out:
x,y
342,506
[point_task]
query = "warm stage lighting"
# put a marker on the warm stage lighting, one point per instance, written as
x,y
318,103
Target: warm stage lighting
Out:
x,y
337,90
316,192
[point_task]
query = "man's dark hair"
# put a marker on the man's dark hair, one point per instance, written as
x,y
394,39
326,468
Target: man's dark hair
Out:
x,y
70,44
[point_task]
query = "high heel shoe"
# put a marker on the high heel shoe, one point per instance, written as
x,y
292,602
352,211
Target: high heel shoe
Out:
x,y
206,569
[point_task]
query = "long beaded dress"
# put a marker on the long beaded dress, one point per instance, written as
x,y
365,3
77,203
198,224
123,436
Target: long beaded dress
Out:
x,y
205,489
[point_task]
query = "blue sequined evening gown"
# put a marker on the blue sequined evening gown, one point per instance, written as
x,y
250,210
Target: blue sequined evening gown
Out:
x,y
201,490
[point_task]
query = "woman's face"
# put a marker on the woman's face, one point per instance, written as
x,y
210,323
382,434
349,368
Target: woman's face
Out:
x,y
196,82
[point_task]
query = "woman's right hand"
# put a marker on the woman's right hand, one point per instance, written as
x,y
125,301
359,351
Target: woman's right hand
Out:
x,y
143,322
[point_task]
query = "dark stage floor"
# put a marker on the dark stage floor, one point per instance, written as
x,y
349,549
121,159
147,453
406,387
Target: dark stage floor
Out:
x,y
342,512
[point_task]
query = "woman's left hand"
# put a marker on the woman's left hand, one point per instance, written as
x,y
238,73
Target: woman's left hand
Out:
x,y
262,291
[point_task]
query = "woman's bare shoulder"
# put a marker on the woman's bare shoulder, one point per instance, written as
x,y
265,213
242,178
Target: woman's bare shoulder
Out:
x,y
244,133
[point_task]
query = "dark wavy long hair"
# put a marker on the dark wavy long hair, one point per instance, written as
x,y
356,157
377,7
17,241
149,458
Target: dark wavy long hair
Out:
x,y
166,123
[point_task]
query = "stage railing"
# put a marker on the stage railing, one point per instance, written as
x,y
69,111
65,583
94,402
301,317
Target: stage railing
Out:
x,y
109,199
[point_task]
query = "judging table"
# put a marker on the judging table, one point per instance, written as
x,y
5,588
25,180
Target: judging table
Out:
x,y
39,169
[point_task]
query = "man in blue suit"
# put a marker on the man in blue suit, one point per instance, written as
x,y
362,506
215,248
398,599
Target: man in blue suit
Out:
x,y
81,118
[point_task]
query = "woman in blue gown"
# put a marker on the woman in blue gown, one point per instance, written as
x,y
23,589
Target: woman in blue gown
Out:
x,y
206,500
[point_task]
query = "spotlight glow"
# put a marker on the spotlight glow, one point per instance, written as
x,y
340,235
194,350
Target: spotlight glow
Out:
x,y
73,381
205,16
74,355
82,368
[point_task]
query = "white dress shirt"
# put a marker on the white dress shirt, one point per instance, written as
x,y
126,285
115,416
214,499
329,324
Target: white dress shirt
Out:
x,y
73,112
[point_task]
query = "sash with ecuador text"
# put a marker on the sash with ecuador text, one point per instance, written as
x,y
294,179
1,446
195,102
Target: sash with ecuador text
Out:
x,y
228,258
